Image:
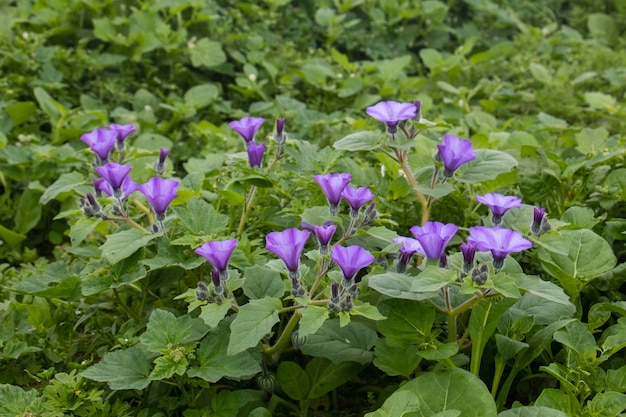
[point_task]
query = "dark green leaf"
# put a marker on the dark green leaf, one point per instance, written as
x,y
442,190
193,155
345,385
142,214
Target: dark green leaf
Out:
x,y
263,282
122,369
352,343
293,380
165,331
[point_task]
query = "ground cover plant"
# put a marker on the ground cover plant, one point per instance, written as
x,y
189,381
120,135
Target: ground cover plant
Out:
x,y
312,208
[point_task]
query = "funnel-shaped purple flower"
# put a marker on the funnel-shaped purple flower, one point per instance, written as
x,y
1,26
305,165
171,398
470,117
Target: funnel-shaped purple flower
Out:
x,y
323,234
469,252
540,223
159,165
247,127
333,185
391,113
288,246
499,204
279,134
101,141
255,154
454,152
356,198
409,248
159,192
122,132
351,259
218,252
434,236
499,241
114,174
127,188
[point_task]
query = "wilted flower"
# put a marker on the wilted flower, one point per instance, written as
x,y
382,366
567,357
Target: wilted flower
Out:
x,y
159,192
247,127
122,132
333,185
255,154
391,113
101,141
540,222
434,236
114,174
499,241
323,234
499,204
409,248
288,246
159,165
454,152
469,252
218,252
356,198
351,259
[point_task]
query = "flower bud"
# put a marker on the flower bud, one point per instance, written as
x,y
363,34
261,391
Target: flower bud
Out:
x,y
202,291
480,275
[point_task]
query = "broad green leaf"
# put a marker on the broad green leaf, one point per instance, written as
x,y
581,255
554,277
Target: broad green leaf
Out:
x,y
404,403
576,337
366,310
607,404
293,380
254,320
13,350
484,318
396,360
557,400
444,390
352,343
509,348
56,281
169,256
28,210
580,217
397,286
408,322
603,27
65,184
313,317
588,256
21,111
540,73
52,108
592,141
489,163
263,282
201,218
165,367
81,229
14,401
600,101
122,369
325,375
433,279
207,53
615,183
216,363
437,350
121,245
614,337
366,140
212,314
165,330
532,411
10,237
202,95
616,379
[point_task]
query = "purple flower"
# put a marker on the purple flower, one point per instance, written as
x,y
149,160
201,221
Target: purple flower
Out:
x,y
127,188
333,185
391,113
218,252
499,241
351,259
323,234
122,132
454,152
540,223
434,236
159,165
255,154
356,198
159,192
247,127
101,141
279,135
469,252
288,246
114,174
499,204
409,248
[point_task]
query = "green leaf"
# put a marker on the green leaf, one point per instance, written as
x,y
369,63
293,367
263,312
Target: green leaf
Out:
x,y
509,348
616,379
81,229
576,337
532,411
293,380
254,320
13,350
10,237
340,344
121,245
56,281
607,404
207,53
122,369
603,27
263,282
165,367
591,141
21,111
65,184
201,218
366,310
442,391
202,95
557,400
484,318
212,314
216,363
365,140
52,108
433,279
541,73
14,401
408,322
313,317
396,360
325,375
437,350
397,286
404,403
600,101
165,331
487,166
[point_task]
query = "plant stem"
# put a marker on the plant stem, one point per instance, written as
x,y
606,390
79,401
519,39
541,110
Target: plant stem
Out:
x,y
130,222
284,338
246,207
498,371
401,158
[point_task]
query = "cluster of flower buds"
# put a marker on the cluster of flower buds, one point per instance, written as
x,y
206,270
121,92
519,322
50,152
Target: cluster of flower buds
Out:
x,y
90,207
480,274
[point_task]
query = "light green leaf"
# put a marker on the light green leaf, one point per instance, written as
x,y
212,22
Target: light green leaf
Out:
x,y
165,330
408,322
351,343
397,286
365,140
404,402
212,314
293,380
532,411
201,218
607,404
576,337
437,350
254,320
201,95
540,73
509,348
81,229
313,317
262,282
14,401
121,369
484,318
207,53
165,367
591,141
65,184
121,245
488,164
600,101
433,279
366,310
